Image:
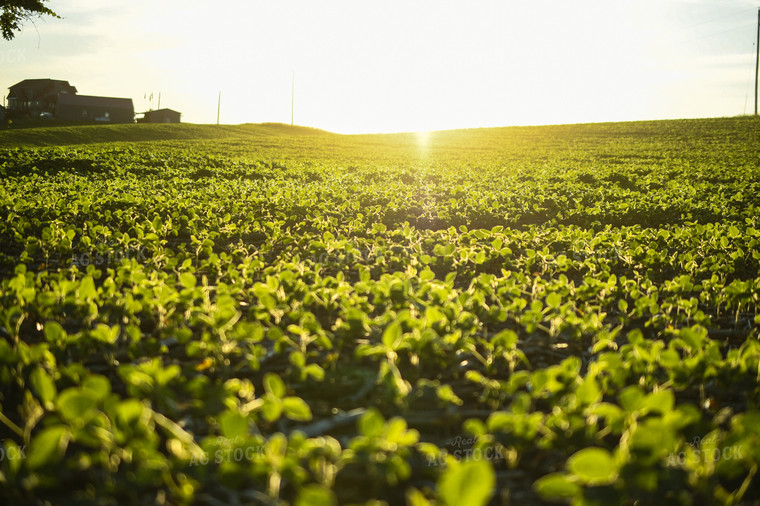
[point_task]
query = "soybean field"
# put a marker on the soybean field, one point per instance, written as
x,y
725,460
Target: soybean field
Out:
x,y
266,314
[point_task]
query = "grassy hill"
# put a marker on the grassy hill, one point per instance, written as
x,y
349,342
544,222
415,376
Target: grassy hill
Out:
x,y
720,129
91,134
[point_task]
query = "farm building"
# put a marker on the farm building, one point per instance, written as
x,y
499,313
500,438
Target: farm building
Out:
x,y
161,116
87,108
33,97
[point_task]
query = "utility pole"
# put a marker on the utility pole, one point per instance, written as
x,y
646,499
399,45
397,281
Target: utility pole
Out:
x,y
159,100
293,96
218,107
757,57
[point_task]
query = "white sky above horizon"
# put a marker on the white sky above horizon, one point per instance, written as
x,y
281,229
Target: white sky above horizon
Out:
x,y
414,65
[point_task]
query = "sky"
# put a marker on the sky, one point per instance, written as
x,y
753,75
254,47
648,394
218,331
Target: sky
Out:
x,y
365,66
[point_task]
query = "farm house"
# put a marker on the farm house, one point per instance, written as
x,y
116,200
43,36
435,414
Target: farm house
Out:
x,y
32,97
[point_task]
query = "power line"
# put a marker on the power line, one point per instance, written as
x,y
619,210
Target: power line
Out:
x,y
292,96
757,57
748,86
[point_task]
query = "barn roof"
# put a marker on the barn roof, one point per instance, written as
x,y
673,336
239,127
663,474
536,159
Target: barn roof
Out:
x,y
164,110
33,83
34,87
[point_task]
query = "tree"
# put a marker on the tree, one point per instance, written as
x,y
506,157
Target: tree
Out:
x,y
15,12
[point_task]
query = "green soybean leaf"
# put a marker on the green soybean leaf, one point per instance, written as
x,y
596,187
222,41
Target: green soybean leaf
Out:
x,y
87,289
661,401
97,385
43,385
54,332
316,495
371,423
129,411
593,466
274,385
553,300
75,404
296,409
472,483
416,498
392,335
48,446
187,280
557,486
233,424
589,392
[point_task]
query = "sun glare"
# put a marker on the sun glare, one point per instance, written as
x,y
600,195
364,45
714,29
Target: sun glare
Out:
x,y
423,143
